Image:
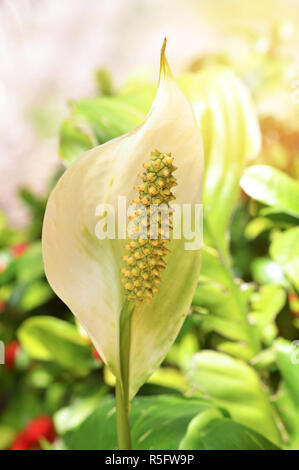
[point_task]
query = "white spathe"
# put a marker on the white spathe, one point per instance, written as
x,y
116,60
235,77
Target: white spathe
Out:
x,y
85,271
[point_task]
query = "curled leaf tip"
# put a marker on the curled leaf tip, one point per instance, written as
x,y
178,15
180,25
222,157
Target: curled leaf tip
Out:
x,y
164,66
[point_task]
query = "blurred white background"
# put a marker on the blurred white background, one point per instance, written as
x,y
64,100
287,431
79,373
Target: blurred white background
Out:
x,y
49,50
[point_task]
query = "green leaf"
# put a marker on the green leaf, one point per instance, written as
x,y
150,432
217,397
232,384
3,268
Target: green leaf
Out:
x,y
183,350
158,422
35,203
30,266
167,422
6,436
163,424
8,267
95,121
266,304
104,83
272,187
287,399
35,294
212,267
210,431
257,226
266,271
237,349
230,129
222,304
138,94
284,250
51,339
98,431
288,363
70,417
222,313
234,386
222,308
169,377
74,141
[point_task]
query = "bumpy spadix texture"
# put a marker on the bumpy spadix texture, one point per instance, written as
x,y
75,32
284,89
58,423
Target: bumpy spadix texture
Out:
x,y
145,260
85,272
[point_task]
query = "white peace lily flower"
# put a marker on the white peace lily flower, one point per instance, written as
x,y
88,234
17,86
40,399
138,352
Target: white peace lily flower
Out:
x,y
86,272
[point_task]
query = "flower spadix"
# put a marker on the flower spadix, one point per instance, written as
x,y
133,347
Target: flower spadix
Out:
x,y
159,162
145,259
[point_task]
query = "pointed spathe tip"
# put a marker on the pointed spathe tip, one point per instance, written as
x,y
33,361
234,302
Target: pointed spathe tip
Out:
x,y
163,46
164,66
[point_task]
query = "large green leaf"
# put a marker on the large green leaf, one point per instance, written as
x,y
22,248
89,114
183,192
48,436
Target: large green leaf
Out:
x,y
167,423
285,250
211,431
287,399
235,386
272,187
51,339
70,417
163,425
158,422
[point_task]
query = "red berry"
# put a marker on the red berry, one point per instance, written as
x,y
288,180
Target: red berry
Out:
x,y
18,250
11,351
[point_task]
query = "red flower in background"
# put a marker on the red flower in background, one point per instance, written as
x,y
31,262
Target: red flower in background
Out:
x,y
11,351
19,250
36,430
2,306
20,443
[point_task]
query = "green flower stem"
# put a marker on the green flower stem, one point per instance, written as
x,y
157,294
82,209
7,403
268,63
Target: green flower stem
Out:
x,y
122,384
